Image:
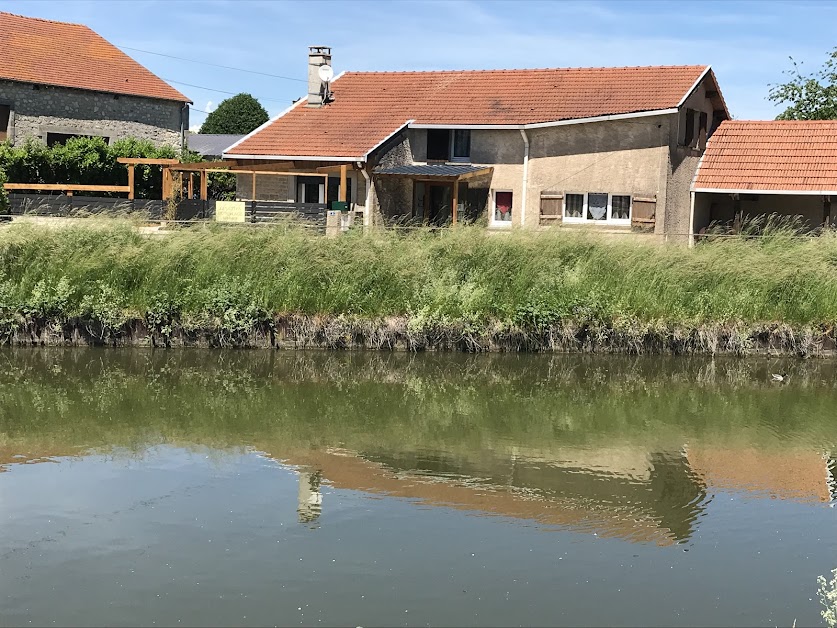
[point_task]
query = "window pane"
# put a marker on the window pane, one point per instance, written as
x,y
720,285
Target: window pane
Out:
x,y
462,143
502,206
574,205
621,207
438,144
596,206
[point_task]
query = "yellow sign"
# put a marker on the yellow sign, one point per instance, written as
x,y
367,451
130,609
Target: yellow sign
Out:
x,y
230,211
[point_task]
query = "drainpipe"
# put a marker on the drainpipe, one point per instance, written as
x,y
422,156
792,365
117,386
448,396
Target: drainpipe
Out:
x,y
183,111
367,212
692,221
525,174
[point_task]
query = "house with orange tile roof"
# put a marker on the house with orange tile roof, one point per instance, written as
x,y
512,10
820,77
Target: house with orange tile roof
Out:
x,y
753,168
59,80
600,147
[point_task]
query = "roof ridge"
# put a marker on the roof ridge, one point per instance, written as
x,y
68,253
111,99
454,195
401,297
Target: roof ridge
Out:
x,y
510,70
43,19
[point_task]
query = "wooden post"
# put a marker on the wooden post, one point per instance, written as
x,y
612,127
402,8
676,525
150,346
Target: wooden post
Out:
x,y
455,196
826,211
191,186
131,182
342,195
166,184
325,191
254,187
204,186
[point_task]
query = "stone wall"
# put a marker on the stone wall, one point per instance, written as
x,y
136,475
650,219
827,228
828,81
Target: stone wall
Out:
x,y
40,109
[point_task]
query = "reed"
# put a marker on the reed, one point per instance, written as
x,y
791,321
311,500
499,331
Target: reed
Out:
x,y
459,288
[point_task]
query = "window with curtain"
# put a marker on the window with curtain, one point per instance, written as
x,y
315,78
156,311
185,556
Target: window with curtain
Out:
x,y
620,208
574,206
596,206
502,207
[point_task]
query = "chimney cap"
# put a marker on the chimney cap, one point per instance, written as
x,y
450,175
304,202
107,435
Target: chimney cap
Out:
x,y
319,49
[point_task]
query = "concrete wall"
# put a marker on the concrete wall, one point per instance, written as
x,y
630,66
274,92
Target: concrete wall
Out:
x,y
682,166
283,188
618,157
37,110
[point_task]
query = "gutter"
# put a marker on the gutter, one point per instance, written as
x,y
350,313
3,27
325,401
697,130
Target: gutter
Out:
x,y
525,174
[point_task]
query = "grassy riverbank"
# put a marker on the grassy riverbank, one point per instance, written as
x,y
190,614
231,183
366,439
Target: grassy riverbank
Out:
x,y
462,288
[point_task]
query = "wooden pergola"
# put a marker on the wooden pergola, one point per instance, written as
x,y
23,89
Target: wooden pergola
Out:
x,y
286,169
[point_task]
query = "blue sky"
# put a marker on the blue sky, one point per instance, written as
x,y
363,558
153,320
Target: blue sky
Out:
x,y
746,43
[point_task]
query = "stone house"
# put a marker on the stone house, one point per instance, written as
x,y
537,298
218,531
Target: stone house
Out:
x,y
605,147
59,80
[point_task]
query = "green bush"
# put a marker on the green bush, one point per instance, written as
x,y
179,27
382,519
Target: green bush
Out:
x,y
85,161
4,197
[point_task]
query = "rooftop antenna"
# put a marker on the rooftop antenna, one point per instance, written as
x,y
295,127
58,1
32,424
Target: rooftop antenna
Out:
x,y
326,73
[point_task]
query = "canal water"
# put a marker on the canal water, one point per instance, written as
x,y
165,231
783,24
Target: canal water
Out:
x,y
206,488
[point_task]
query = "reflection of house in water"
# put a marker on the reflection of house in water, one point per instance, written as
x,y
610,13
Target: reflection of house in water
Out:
x,y
618,492
310,500
798,474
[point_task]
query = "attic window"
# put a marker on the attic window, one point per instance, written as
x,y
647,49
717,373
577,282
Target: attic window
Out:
x,y
5,116
688,117
438,144
448,145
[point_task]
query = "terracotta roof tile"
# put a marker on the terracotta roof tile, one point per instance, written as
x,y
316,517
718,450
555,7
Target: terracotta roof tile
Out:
x,y
369,106
71,55
774,155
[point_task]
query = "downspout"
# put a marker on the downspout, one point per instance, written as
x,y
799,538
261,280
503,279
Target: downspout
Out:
x,y
692,221
525,174
367,211
183,110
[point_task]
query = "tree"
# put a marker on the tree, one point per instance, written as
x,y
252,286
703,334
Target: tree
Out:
x,y
237,115
808,96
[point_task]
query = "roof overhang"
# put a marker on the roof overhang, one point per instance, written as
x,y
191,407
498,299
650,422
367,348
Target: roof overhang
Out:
x,y
539,125
440,172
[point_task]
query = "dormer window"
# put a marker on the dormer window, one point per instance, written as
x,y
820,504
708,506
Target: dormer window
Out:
x,y
448,144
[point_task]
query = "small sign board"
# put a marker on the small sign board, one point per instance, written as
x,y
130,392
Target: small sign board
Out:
x,y
230,211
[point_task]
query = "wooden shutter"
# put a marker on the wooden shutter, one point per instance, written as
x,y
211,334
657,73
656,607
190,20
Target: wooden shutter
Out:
x,y
552,208
644,212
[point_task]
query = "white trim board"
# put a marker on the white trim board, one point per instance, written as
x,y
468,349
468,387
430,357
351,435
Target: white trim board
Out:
x,y
776,192
395,132
703,74
293,158
285,111
539,125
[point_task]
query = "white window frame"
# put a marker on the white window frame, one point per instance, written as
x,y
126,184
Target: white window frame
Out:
x,y
505,224
451,156
609,220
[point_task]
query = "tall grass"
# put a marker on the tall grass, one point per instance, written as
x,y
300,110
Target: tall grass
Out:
x,y
473,280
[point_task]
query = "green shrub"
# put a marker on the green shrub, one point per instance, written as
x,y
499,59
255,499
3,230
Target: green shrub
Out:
x,y
4,197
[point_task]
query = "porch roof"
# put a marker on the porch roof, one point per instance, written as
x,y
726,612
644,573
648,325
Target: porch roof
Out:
x,y
433,171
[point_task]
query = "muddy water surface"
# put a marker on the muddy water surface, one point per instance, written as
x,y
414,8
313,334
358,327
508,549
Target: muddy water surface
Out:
x,y
261,488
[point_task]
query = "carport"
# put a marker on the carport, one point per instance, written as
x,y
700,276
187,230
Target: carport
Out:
x,y
756,168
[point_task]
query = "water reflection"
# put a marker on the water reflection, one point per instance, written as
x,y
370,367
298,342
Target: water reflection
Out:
x,y
619,447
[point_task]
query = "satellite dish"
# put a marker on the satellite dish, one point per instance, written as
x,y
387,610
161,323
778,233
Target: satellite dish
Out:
x,y
326,73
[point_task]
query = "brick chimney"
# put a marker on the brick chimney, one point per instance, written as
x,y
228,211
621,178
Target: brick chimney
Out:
x,y
317,56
